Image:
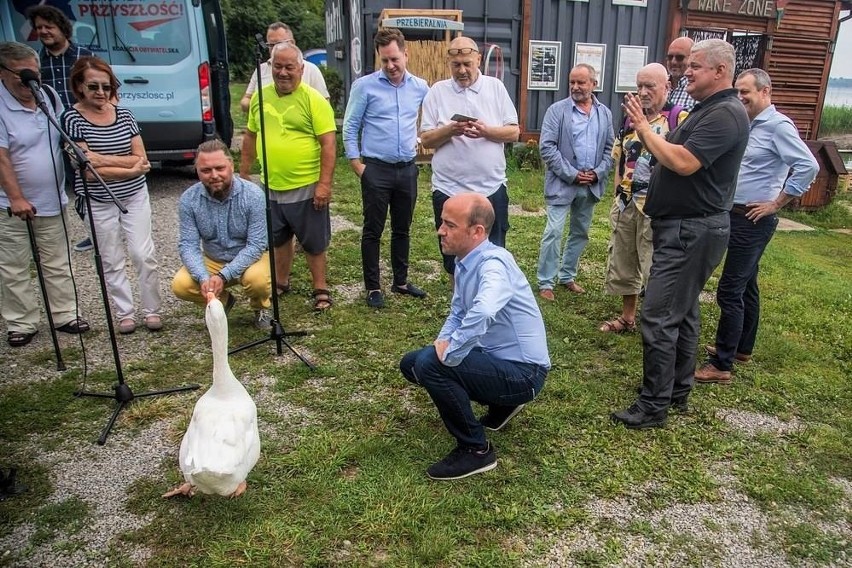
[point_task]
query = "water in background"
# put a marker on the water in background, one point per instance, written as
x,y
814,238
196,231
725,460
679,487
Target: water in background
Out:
x,y
838,96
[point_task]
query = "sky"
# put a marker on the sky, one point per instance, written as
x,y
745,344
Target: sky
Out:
x,y
841,66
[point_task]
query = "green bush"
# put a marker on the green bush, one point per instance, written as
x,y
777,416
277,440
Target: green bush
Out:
x,y
835,120
525,157
334,82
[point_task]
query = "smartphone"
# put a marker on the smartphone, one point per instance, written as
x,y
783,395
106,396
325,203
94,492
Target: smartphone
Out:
x,y
462,118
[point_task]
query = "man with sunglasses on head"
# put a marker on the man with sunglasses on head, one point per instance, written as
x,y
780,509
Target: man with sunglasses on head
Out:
x,y
467,120
32,189
57,56
677,58
276,33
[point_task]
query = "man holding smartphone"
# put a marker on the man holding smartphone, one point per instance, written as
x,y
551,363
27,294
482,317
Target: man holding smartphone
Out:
x,y
383,108
467,119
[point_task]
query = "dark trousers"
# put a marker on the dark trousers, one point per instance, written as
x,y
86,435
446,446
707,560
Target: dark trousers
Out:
x,y
479,377
386,186
738,294
686,251
499,201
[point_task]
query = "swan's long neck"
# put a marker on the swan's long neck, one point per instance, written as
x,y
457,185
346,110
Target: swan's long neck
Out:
x,y
219,344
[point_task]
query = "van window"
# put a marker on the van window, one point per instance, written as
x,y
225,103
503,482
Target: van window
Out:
x,y
125,32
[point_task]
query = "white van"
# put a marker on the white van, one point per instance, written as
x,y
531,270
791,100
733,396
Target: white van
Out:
x,y
170,56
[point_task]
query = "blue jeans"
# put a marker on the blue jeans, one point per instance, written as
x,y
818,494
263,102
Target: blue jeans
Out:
x,y
499,201
582,208
738,294
686,251
479,377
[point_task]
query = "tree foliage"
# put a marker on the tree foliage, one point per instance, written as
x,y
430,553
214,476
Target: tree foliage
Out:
x,y
245,18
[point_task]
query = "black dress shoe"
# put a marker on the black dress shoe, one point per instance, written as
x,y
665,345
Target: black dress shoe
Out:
x,y
376,299
410,290
637,419
681,404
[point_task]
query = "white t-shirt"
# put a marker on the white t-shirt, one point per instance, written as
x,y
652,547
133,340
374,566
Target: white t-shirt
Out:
x,y
312,76
462,163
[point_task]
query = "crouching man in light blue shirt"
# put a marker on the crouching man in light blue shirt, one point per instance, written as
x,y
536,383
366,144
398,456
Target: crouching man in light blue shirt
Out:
x,y
492,349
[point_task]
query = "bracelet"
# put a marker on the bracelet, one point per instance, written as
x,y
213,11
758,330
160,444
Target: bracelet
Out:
x,y
224,280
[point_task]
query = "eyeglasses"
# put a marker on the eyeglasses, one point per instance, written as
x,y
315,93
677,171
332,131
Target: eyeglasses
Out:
x,y
678,57
95,87
16,73
462,50
271,44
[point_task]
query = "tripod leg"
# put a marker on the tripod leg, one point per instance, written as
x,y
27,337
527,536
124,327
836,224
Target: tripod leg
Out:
x,y
119,406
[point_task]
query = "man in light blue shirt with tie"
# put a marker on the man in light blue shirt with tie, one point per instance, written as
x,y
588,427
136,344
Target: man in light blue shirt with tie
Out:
x,y
383,109
492,348
777,167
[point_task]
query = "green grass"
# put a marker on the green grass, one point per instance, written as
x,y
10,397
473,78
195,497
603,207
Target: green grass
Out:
x,y
835,120
237,115
341,478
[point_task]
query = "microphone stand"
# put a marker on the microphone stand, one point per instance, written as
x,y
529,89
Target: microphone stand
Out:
x,y
122,394
276,333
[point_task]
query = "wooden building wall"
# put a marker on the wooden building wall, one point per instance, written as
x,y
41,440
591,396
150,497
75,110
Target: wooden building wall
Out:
x,y
798,50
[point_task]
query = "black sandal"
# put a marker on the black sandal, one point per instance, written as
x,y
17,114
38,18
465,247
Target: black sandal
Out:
x,y
74,327
322,300
283,289
19,338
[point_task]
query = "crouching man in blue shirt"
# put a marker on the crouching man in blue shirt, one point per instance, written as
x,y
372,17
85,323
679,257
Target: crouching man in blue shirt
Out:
x,y
223,236
492,349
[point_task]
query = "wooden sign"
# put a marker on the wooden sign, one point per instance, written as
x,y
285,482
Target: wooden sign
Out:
x,y
752,8
422,23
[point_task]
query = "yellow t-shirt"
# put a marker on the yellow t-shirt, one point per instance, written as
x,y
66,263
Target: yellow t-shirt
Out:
x,y
292,123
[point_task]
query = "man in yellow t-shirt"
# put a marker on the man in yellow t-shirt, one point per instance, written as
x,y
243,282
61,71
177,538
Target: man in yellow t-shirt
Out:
x,y
299,132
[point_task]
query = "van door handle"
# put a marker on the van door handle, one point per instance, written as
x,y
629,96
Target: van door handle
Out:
x,y
136,80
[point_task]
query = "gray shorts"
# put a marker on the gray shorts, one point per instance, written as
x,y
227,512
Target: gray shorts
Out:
x,y
311,227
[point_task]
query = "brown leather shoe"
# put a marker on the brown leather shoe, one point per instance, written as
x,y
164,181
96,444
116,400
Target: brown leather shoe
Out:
x,y
708,373
574,287
741,357
547,294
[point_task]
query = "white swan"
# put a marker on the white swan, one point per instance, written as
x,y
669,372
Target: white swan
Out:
x,y
222,443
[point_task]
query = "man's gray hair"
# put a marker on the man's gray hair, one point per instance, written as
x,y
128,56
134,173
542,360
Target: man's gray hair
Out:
x,y
761,78
593,75
14,51
717,52
279,26
285,45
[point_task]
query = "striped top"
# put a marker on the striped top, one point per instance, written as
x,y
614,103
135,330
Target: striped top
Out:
x,y
112,140
56,69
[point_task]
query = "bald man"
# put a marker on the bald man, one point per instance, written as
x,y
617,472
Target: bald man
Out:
x,y
492,348
677,58
467,119
630,247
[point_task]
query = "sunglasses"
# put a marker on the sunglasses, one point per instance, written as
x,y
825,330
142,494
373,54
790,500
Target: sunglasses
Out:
x,y
15,73
270,45
95,87
678,57
462,50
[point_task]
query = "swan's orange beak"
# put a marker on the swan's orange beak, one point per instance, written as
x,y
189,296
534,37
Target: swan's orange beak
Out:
x,y
210,297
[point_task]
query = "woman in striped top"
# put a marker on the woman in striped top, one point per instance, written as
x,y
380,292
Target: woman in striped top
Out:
x,y
110,136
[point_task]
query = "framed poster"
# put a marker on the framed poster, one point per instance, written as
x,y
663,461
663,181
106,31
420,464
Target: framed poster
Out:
x,y
631,58
637,3
543,65
593,54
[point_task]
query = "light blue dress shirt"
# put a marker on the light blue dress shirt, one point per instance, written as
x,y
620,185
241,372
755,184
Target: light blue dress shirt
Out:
x,y
493,308
385,115
774,150
231,231
584,131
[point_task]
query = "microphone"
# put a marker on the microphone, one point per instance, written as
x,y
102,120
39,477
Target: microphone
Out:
x,y
31,79
261,42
